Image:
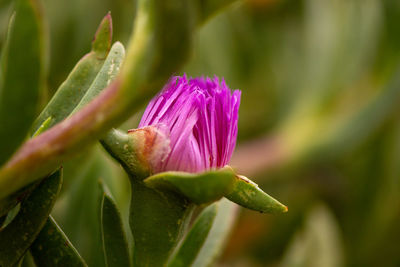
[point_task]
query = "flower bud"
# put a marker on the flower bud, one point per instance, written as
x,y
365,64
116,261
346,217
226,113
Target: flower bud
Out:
x,y
197,119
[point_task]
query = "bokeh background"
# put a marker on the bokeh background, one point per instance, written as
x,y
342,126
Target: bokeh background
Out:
x,y
319,125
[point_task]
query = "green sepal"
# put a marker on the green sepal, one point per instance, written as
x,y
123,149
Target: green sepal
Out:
x,y
247,194
52,248
195,238
71,91
22,75
105,76
17,237
115,244
200,188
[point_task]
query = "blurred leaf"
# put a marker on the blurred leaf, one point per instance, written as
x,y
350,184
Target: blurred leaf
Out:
x,y
369,119
71,91
157,220
106,75
115,246
207,8
16,238
52,248
318,244
195,239
200,188
247,194
218,235
21,75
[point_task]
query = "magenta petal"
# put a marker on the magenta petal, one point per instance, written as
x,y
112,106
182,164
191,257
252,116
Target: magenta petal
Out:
x,y
199,116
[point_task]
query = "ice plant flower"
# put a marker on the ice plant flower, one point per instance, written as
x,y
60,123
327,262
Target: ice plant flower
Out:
x,y
198,117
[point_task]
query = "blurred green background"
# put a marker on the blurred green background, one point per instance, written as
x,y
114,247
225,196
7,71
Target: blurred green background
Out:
x,y
318,128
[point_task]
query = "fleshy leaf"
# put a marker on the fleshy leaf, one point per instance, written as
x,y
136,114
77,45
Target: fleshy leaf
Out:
x,y
105,76
102,40
115,244
16,237
217,237
22,74
199,188
10,202
71,91
195,239
52,248
157,220
247,194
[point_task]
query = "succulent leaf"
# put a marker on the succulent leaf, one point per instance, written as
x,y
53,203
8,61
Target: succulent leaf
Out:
x,y
115,245
102,39
195,239
71,91
17,237
52,248
157,220
216,239
21,75
105,76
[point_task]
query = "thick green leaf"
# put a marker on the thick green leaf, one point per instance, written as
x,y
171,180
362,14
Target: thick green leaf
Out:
x,y
200,188
195,239
218,234
157,220
78,211
247,194
17,236
21,76
106,75
115,245
153,54
10,202
71,91
7,204
102,39
52,248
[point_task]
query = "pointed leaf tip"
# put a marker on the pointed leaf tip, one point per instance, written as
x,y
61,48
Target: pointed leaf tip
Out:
x,y
115,244
247,194
102,39
52,248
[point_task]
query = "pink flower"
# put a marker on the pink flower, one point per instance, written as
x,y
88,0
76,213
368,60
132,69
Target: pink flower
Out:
x,y
199,117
